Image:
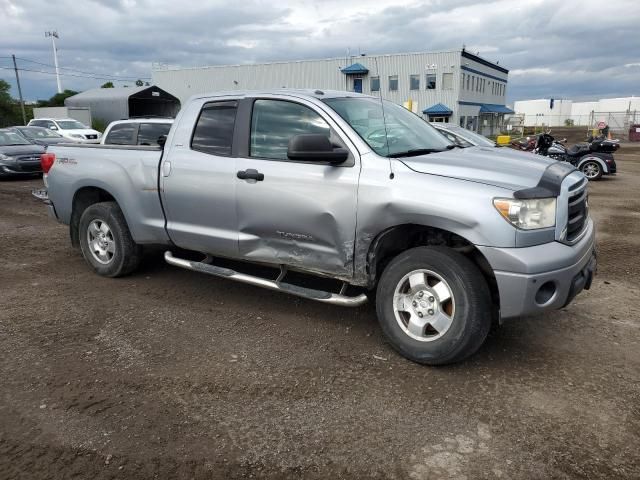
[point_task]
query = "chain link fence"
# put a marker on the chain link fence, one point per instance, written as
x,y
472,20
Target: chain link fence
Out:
x,y
619,123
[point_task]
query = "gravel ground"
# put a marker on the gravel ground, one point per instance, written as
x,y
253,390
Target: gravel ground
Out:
x,y
173,374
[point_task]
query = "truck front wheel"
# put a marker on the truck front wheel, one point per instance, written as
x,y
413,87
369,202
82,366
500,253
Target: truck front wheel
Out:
x,y
105,241
433,305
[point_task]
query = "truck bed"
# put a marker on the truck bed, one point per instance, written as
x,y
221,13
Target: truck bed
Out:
x,y
128,173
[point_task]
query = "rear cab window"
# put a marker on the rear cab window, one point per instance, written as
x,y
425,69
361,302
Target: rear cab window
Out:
x,y
213,132
149,133
122,134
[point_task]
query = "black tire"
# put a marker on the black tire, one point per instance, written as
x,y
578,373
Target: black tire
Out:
x,y
471,319
595,166
127,254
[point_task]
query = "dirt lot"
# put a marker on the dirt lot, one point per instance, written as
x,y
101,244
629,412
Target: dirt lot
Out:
x,y
173,374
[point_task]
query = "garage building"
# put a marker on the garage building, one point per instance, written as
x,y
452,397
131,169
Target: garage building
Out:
x,y
109,104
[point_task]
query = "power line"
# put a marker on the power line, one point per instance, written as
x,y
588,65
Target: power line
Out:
x,y
99,76
78,71
95,77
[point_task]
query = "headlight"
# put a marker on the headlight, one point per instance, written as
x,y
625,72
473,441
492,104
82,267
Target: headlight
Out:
x,y
4,157
527,214
76,135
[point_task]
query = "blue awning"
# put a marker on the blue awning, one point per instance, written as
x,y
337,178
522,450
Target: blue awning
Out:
x,y
490,108
438,110
355,69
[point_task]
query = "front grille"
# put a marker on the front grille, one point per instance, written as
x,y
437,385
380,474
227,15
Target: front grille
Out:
x,y
578,210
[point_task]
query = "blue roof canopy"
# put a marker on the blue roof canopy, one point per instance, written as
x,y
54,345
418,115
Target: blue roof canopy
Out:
x,y
438,109
355,69
490,108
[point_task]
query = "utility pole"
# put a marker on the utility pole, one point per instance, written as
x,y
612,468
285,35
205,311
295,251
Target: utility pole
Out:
x,y
53,36
15,67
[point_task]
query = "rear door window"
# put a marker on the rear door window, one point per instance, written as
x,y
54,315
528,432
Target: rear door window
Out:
x,y
121,134
148,133
213,133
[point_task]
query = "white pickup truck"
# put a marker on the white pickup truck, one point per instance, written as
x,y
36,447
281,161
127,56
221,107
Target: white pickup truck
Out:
x,y
341,186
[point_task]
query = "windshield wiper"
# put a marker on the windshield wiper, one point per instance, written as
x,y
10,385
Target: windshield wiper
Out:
x,y
414,152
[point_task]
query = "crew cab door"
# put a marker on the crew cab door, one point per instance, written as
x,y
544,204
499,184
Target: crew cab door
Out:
x,y
198,178
296,213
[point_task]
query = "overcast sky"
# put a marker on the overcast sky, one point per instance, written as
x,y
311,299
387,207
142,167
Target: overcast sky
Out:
x,y
563,49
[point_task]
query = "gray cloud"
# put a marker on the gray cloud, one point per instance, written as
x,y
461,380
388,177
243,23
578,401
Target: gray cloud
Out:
x,y
553,48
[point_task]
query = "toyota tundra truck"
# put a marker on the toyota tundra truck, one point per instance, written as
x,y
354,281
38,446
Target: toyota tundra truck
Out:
x,y
342,190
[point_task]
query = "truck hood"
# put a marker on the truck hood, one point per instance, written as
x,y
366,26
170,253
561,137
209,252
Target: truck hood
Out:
x,y
500,167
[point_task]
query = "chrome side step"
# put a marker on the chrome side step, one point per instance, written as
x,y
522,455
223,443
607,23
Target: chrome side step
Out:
x,y
278,285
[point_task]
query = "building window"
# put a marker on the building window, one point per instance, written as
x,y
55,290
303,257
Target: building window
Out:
x,y
414,82
462,121
375,84
468,79
393,83
430,80
447,81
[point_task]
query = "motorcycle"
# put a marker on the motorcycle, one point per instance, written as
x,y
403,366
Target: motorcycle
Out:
x,y
594,159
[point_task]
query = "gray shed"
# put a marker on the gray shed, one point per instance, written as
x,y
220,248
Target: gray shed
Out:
x,y
109,104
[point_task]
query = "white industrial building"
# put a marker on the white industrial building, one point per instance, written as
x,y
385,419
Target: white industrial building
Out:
x,y
618,113
544,111
454,86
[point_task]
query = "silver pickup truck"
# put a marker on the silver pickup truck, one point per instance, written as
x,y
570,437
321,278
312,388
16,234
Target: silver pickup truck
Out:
x,y
343,186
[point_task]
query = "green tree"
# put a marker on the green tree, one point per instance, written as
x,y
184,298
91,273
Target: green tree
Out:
x,y
10,111
107,85
139,83
57,100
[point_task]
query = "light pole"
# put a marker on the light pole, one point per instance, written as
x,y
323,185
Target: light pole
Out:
x,y
53,36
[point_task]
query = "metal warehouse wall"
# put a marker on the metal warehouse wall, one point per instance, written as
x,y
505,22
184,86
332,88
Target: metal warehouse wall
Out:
x,y
105,109
324,74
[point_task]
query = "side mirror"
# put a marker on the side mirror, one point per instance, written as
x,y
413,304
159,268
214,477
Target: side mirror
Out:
x,y
53,127
162,139
315,148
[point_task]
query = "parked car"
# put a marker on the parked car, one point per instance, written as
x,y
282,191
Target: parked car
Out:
x,y
68,128
448,239
18,156
138,131
462,137
41,136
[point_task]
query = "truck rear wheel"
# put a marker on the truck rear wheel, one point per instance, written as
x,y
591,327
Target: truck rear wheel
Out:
x,y
433,305
105,241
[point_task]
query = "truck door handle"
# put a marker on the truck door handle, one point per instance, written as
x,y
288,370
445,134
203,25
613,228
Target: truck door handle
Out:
x,y
250,174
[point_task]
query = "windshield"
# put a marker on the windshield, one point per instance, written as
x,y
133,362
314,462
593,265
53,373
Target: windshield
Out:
x,y
476,138
70,125
12,138
38,133
396,133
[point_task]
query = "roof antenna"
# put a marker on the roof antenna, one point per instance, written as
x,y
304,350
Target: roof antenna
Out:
x,y
384,121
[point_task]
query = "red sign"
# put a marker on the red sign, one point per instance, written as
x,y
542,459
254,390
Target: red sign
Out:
x,y
601,125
